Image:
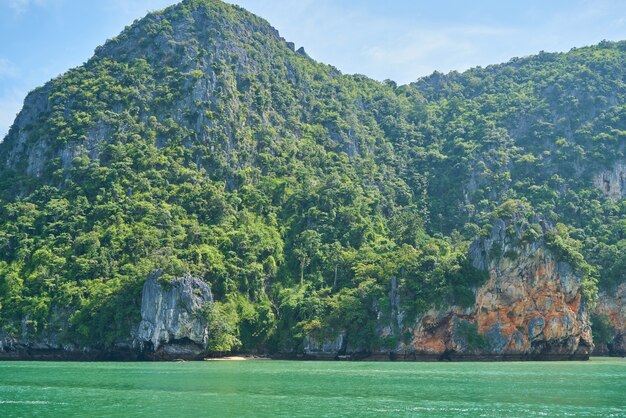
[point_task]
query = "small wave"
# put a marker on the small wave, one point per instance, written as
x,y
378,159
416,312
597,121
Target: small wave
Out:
x,y
8,402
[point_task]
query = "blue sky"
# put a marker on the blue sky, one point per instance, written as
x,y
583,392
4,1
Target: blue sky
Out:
x,y
400,40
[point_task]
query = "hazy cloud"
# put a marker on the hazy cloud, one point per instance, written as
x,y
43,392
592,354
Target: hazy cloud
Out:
x,y
18,5
21,6
420,45
7,68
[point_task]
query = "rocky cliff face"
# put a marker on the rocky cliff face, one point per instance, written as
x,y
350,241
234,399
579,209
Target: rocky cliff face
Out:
x,y
531,307
27,342
199,136
613,307
172,323
172,326
612,182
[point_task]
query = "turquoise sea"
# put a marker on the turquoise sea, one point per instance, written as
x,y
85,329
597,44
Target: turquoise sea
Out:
x,y
595,388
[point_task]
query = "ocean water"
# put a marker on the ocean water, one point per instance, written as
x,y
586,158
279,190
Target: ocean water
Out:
x,y
595,388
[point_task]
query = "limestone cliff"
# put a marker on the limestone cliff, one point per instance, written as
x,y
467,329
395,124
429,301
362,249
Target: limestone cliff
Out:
x,y
172,323
613,307
16,344
172,326
530,306
331,212
612,182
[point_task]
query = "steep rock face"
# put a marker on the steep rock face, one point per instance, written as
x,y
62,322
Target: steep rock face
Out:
x,y
323,348
27,344
614,307
530,307
172,326
531,304
612,182
171,319
27,340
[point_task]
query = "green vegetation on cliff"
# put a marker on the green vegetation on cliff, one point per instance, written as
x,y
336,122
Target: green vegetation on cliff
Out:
x,y
199,141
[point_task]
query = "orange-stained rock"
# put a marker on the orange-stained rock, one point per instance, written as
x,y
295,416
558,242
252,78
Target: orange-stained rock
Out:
x,y
530,305
431,345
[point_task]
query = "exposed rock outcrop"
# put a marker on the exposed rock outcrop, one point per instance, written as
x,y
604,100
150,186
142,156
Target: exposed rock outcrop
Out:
x,y
614,307
325,349
531,305
172,322
173,325
302,52
612,182
52,344
27,340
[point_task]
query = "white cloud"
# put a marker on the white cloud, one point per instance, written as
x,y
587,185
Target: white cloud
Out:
x,y
407,56
7,69
21,6
421,44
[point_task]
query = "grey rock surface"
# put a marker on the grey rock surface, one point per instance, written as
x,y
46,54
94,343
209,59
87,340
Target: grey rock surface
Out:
x,y
172,313
613,305
612,182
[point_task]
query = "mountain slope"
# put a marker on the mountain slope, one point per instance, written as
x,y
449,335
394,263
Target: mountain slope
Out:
x,y
200,142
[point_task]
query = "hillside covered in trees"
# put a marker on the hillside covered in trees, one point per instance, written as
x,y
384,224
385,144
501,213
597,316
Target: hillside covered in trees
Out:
x,y
200,142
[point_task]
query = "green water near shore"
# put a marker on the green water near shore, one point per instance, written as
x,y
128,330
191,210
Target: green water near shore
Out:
x,y
596,388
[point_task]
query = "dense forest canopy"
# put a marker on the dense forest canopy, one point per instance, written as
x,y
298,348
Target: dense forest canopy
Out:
x,y
199,141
